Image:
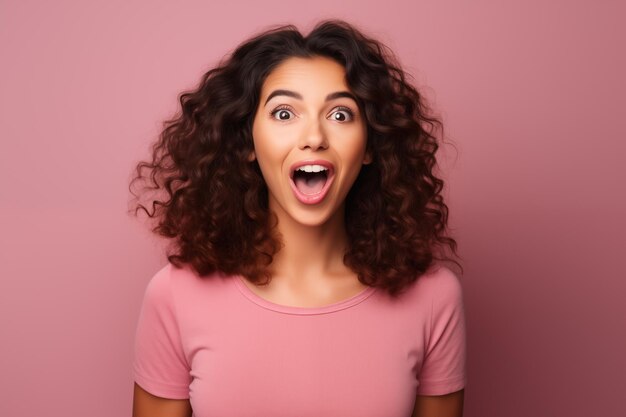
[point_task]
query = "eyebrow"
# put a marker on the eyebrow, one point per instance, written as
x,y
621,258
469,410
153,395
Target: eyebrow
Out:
x,y
293,94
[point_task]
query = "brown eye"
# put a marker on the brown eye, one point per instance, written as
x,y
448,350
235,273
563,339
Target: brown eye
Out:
x,y
282,113
342,114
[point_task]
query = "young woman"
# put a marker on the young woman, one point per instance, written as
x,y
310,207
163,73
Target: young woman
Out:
x,y
306,223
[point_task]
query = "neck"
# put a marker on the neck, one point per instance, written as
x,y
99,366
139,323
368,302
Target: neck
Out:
x,y
309,253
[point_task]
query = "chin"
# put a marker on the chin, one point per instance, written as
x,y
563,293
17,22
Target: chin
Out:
x,y
311,219
306,215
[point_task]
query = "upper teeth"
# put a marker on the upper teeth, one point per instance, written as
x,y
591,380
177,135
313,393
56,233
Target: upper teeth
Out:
x,y
312,168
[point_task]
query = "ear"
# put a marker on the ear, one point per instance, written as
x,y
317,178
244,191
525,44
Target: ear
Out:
x,y
251,156
367,159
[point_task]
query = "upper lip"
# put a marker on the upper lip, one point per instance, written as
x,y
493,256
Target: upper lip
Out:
x,y
322,162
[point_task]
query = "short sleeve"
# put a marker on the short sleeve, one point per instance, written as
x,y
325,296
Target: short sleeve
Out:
x,y
159,365
443,370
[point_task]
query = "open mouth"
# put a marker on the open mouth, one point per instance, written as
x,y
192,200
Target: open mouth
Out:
x,y
310,183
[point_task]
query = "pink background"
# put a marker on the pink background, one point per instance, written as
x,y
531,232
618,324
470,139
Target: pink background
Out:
x,y
533,99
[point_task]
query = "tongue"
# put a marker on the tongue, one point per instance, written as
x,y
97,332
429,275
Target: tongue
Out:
x,y
312,184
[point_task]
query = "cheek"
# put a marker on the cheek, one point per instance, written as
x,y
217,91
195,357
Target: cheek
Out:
x,y
353,147
270,155
272,142
262,141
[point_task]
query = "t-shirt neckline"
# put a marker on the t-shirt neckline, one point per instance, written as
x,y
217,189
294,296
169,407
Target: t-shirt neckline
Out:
x,y
329,308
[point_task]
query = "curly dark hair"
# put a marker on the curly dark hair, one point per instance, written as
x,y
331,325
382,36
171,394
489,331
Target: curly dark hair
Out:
x,y
216,208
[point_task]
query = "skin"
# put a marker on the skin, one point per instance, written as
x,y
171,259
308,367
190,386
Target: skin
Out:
x,y
148,405
308,271
449,405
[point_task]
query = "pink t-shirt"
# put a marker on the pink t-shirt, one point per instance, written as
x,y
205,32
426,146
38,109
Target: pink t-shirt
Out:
x,y
233,353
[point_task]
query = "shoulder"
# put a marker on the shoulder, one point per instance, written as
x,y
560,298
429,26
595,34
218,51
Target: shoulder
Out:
x,y
158,287
182,286
446,302
440,280
438,283
432,289
158,299
171,276
441,286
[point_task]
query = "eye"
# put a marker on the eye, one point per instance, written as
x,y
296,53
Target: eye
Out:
x,y
342,114
282,112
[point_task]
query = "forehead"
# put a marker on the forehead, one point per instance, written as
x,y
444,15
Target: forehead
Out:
x,y
313,73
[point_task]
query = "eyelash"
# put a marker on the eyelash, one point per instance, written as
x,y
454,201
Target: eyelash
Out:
x,y
286,107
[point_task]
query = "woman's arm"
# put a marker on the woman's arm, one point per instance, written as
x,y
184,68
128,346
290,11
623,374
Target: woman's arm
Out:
x,y
148,405
449,405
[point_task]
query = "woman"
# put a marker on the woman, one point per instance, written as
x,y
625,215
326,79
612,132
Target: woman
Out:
x,y
306,224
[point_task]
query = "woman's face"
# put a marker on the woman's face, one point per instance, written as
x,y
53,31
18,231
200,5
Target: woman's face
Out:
x,y
306,117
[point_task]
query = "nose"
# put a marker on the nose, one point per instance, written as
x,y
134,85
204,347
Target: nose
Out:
x,y
313,137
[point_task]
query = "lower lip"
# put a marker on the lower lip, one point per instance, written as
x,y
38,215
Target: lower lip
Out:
x,y
312,198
